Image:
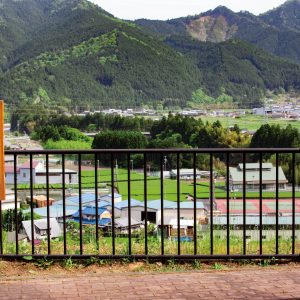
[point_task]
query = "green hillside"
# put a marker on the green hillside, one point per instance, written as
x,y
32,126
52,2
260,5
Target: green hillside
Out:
x,y
82,54
72,52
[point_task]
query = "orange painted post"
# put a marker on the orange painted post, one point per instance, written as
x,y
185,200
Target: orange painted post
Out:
x,y
2,162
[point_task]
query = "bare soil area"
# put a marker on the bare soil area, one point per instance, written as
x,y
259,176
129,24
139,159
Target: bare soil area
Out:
x,y
45,268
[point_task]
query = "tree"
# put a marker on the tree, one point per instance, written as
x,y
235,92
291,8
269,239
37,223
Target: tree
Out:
x,y
119,140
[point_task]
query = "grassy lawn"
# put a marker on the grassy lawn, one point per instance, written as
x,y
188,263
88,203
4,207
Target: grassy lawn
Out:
x,y
170,187
153,187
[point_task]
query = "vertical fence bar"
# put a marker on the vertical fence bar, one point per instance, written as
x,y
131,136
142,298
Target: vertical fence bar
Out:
x,y
211,205
244,203
129,203
31,204
277,206
227,202
16,202
2,170
146,204
195,204
80,203
178,203
96,201
162,202
260,205
2,154
48,205
294,203
113,203
64,202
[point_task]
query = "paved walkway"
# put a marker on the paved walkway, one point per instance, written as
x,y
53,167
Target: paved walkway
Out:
x,y
243,284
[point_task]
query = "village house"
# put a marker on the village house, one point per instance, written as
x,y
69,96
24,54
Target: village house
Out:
x,y
154,210
252,179
41,229
122,225
185,174
39,174
55,211
89,216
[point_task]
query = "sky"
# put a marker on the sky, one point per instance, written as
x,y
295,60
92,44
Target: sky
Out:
x,y
169,9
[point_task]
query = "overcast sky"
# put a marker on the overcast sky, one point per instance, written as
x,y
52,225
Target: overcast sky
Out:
x,y
168,9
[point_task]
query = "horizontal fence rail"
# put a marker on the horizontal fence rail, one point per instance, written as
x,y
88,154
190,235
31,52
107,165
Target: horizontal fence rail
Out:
x,y
153,203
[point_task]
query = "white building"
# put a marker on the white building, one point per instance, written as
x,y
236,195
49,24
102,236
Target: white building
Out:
x,y
154,210
252,178
186,174
39,174
40,230
262,111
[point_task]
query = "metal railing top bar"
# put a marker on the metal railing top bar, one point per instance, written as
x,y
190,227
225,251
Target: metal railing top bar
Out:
x,y
166,151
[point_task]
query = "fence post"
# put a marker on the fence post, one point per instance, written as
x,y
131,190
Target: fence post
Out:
x,y
2,161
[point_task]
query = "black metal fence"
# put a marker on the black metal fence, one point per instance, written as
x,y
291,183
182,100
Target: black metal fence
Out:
x,y
205,228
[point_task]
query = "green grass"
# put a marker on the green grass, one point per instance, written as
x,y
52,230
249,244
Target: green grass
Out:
x,y
153,187
154,246
169,185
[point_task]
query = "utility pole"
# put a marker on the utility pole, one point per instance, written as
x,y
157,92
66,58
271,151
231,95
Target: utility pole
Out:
x,y
2,161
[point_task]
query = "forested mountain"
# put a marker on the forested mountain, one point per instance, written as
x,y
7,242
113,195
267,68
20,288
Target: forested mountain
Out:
x,y
238,68
72,52
286,16
276,31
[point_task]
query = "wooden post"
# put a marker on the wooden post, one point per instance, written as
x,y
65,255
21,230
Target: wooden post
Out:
x,y
2,161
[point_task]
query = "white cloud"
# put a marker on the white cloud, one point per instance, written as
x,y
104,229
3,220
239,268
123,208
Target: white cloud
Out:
x,y
167,9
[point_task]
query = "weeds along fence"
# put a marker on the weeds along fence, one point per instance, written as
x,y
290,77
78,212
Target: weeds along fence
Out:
x,y
202,204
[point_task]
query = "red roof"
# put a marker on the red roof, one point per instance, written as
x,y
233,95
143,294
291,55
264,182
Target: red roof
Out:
x,y
10,169
253,207
26,164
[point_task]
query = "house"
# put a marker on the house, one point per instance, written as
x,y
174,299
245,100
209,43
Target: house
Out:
x,y
55,211
122,225
136,209
262,111
185,174
40,227
89,216
154,210
252,179
88,199
39,174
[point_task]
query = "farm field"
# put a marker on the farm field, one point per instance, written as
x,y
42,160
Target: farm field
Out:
x,y
251,122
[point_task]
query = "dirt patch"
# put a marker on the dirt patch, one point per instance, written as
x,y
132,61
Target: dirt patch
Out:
x,y
45,268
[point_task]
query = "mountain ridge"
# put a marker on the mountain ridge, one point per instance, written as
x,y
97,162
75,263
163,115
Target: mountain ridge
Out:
x,y
222,24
